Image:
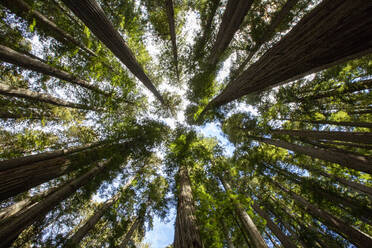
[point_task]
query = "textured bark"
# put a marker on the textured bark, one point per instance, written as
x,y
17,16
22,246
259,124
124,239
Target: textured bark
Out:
x,y
284,240
10,230
20,179
9,55
352,234
24,10
92,221
172,28
330,34
16,162
129,234
357,137
186,233
95,19
269,32
359,163
41,97
232,18
248,224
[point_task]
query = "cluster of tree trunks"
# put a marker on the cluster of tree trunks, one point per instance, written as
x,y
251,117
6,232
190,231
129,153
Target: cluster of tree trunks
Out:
x,y
331,33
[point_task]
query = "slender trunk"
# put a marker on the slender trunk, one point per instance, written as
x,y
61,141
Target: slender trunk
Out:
x,y
129,234
248,224
271,239
352,234
360,112
363,146
186,233
232,18
95,19
172,28
350,88
9,55
4,114
284,240
337,123
92,221
241,230
357,137
20,179
22,205
41,97
24,10
352,161
13,227
305,48
16,162
226,233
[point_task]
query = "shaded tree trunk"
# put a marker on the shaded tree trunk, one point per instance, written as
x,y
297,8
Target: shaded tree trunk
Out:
x,y
286,241
41,97
306,48
226,233
27,160
24,10
186,233
357,137
10,230
271,239
92,221
20,179
232,18
9,55
248,224
129,234
352,234
95,19
336,123
172,28
352,161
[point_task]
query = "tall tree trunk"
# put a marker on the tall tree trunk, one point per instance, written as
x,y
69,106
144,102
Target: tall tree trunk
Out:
x,y
357,137
13,227
27,160
352,234
248,224
352,161
336,123
286,241
226,233
95,19
20,179
305,49
9,55
232,18
172,28
129,234
92,221
186,233
24,10
41,97
268,33
271,239
353,145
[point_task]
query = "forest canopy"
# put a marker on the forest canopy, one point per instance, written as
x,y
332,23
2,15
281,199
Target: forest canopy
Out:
x,y
249,122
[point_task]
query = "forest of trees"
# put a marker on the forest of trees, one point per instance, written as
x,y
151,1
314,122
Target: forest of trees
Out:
x,y
102,103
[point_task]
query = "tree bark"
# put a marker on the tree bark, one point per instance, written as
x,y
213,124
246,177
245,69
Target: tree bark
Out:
x,y
186,233
352,161
271,239
41,97
356,137
24,10
92,221
226,233
13,227
95,19
232,18
352,234
284,240
16,162
20,179
9,55
172,28
330,34
336,123
248,224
